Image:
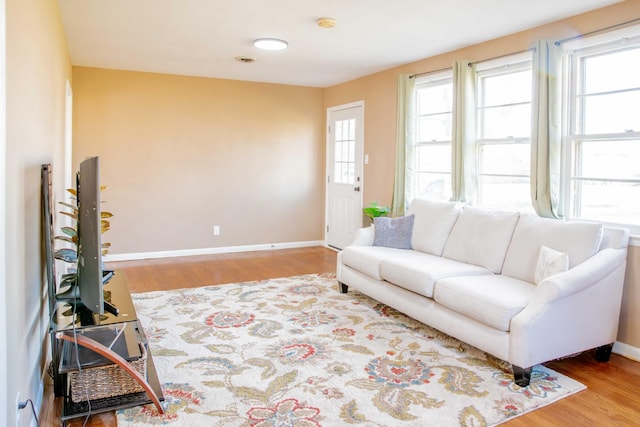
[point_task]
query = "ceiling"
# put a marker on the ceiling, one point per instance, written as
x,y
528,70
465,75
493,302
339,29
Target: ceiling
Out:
x,y
203,37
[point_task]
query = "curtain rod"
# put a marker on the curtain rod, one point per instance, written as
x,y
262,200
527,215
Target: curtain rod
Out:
x,y
413,76
610,27
426,73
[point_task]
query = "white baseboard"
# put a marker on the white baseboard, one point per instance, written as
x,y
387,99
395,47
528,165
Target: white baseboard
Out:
x,y
209,251
626,350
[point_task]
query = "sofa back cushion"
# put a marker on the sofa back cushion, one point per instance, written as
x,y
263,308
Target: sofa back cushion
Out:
x,y
481,237
580,240
432,224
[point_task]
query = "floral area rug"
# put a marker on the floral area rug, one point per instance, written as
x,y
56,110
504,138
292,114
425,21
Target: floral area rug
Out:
x,y
294,352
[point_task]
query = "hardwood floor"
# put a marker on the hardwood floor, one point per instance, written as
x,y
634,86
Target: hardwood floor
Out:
x,y
612,397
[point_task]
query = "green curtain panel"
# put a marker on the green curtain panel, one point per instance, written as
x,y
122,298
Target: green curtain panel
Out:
x,y
463,155
546,132
404,144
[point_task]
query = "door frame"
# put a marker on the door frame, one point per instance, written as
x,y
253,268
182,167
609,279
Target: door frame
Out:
x,y
328,161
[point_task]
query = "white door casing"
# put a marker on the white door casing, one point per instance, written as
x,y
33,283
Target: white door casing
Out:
x,y
345,148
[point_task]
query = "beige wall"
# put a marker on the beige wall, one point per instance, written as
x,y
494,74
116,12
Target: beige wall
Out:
x,y
37,66
629,331
379,93
182,154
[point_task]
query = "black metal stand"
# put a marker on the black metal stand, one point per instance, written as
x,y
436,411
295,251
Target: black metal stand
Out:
x,y
69,329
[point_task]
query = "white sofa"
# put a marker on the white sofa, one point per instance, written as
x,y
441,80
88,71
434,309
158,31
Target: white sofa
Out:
x,y
470,273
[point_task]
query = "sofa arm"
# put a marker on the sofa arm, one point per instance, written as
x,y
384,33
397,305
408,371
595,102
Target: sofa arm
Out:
x,y
364,236
580,277
570,312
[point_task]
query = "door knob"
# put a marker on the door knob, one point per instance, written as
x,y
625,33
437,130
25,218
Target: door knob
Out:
x,y
356,189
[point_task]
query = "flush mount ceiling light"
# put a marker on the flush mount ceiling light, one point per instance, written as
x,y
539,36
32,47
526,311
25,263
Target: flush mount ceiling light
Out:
x,y
270,44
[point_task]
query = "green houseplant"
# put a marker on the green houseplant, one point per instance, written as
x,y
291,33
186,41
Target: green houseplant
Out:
x,y
374,210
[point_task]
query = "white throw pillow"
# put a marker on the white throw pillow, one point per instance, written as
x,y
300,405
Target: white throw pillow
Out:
x,y
550,262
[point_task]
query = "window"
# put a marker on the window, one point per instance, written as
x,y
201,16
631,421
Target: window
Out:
x,y
602,179
600,176
345,148
504,91
430,175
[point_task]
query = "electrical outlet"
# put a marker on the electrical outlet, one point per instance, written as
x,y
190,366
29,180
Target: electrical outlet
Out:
x,y
18,409
216,230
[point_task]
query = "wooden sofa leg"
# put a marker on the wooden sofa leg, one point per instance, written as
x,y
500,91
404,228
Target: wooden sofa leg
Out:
x,y
343,288
603,353
521,376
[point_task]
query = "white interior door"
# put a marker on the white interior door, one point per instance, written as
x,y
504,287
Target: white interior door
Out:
x,y
345,141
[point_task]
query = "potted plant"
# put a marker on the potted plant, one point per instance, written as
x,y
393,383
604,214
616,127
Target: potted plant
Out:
x,y
374,210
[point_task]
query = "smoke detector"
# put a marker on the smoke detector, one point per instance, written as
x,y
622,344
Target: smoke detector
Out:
x,y
326,22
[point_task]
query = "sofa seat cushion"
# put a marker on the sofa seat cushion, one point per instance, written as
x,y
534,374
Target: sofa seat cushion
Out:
x,y
417,271
367,259
492,300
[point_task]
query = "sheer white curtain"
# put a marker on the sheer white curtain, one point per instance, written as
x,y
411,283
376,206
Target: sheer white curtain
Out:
x,y
404,144
463,155
546,132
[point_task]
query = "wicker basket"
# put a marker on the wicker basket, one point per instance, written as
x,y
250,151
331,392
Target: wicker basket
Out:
x,y
106,381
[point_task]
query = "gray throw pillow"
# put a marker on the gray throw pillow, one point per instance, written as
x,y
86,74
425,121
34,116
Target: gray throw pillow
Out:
x,y
393,232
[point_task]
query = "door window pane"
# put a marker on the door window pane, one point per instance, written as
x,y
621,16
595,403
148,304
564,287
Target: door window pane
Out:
x,y
344,151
